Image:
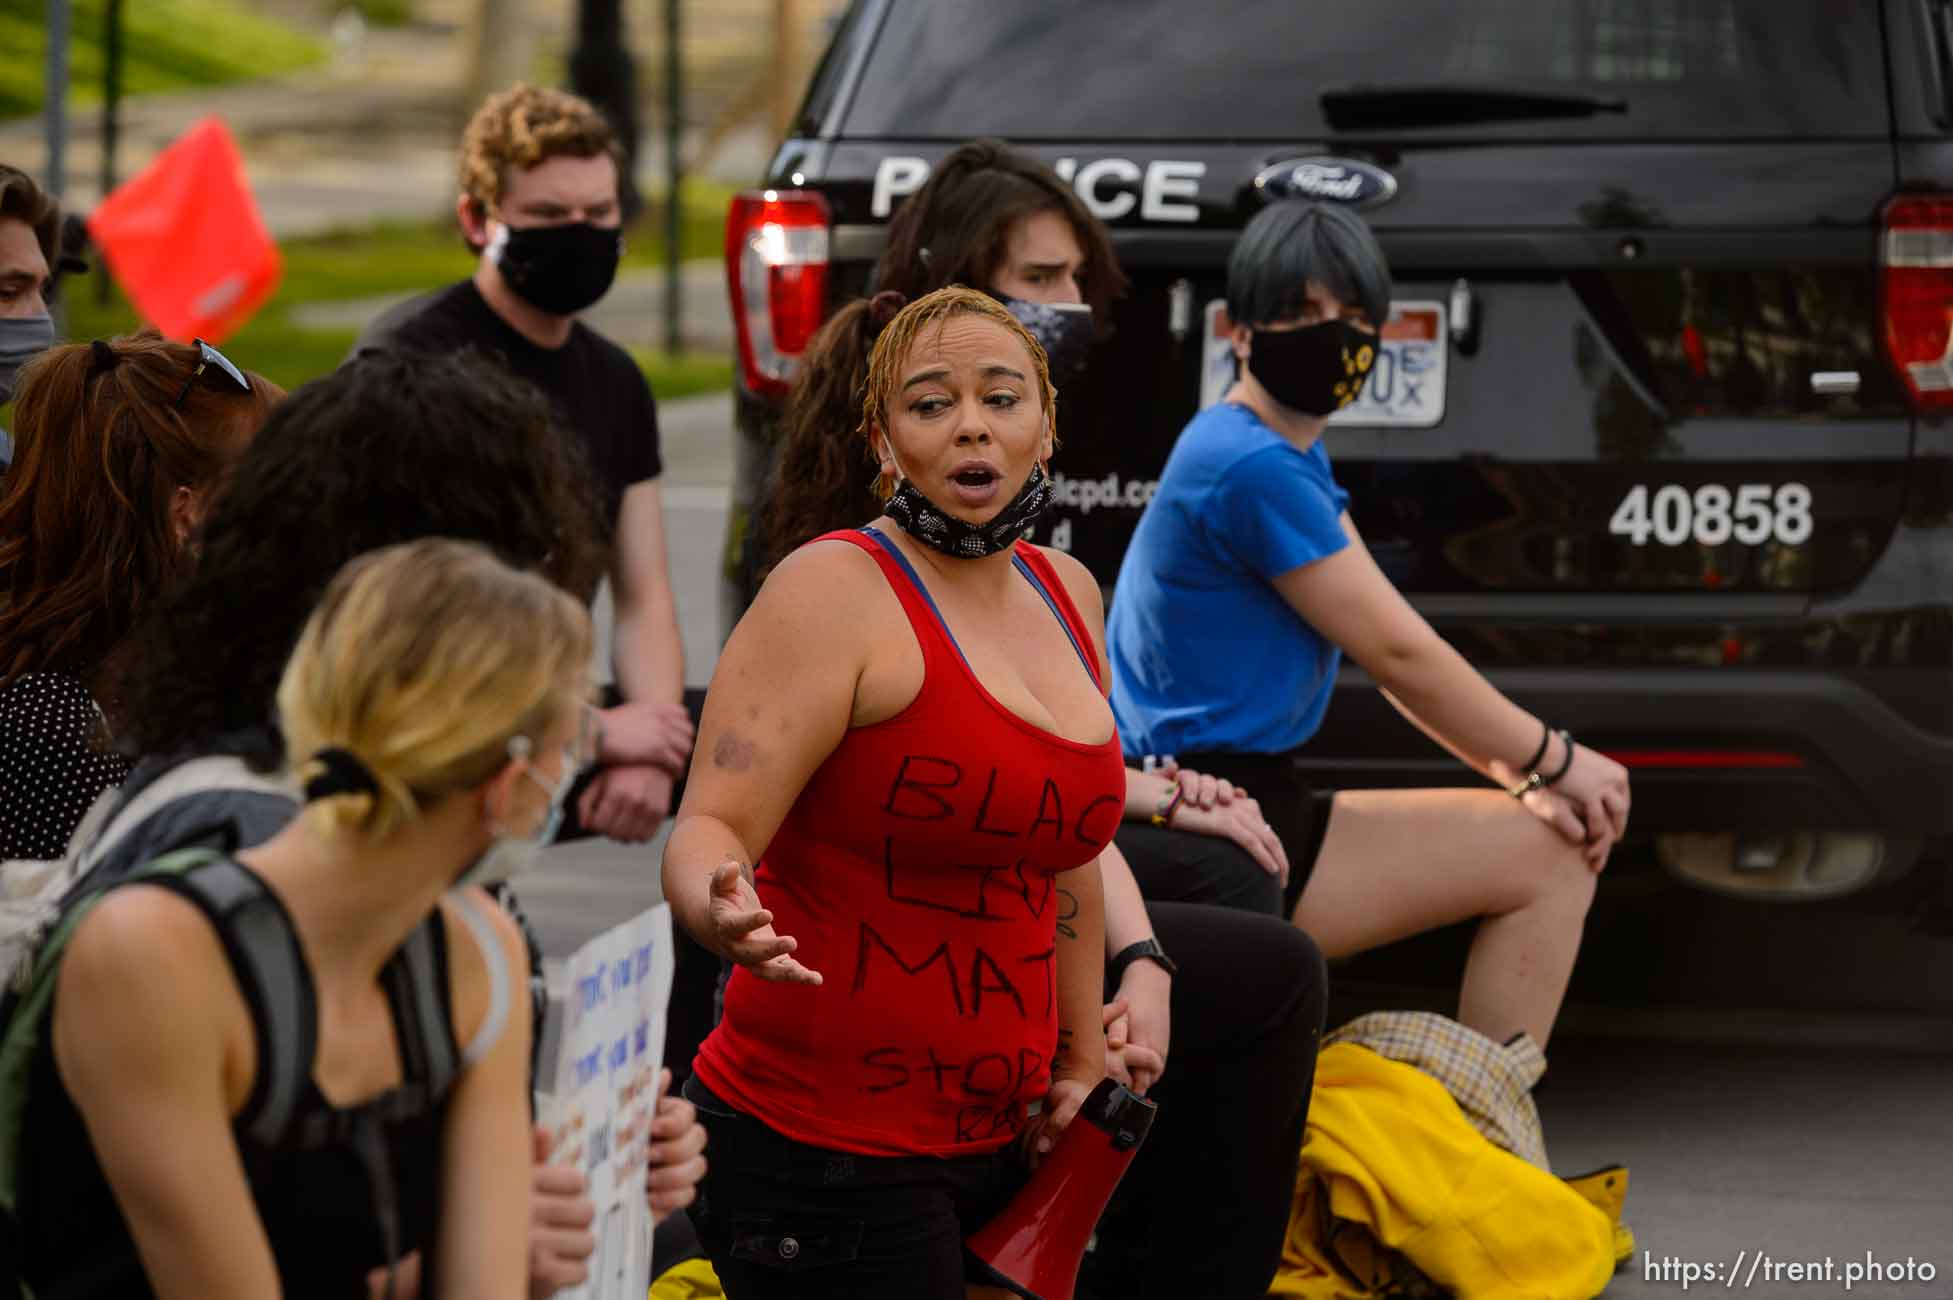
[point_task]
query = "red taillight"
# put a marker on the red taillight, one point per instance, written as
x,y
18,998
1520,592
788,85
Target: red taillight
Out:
x,y
1916,255
776,271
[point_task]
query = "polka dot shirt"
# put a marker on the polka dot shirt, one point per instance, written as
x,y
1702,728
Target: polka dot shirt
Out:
x,y
54,763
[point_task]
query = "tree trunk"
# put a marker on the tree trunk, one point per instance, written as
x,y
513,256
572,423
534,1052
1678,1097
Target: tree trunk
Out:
x,y
501,50
785,96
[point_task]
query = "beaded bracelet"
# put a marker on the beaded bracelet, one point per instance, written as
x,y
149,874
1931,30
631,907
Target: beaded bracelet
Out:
x,y
1163,815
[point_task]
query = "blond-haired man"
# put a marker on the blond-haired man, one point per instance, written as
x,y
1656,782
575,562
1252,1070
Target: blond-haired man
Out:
x,y
539,203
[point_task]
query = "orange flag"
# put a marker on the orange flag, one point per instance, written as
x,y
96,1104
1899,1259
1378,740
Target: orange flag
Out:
x,y
185,239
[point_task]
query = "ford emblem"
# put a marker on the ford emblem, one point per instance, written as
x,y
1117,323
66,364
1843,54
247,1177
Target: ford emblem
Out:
x,y
1331,180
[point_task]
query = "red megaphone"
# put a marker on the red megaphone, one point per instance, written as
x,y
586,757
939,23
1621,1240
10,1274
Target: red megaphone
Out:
x,y
1036,1243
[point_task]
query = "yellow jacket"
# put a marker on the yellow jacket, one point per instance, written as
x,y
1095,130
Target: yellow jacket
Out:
x,y
691,1280
1398,1191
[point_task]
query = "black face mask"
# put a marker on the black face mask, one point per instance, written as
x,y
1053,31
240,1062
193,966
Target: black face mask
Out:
x,y
1064,330
1318,369
558,269
935,527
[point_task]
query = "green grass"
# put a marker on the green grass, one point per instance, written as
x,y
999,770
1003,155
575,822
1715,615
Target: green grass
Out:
x,y
684,375
701,226
167,45
383,13
269,344
402,258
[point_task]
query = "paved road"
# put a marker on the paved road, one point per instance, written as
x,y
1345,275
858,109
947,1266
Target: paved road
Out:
x,y
1799,1135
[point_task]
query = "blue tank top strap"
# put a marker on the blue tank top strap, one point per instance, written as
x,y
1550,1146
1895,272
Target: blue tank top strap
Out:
x,y
1063,622
1037,583
875,535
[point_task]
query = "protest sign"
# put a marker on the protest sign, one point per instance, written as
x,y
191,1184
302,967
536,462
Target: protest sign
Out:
x,y
612,1049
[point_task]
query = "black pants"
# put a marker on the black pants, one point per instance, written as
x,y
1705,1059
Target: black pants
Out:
x,y
1299,813
783,1219
1174,866
1204,1208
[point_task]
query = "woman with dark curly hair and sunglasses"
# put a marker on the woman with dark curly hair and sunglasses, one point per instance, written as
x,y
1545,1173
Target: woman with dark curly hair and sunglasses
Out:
x,y
118,449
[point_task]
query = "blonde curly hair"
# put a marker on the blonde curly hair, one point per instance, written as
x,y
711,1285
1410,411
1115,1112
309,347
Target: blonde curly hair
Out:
x,y
523,126
899,336
422,661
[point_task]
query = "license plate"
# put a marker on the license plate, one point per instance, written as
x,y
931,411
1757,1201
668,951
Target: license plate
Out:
x,y
1405,389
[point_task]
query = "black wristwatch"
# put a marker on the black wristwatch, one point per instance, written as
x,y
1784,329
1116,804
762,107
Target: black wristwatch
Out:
x,y
1144,950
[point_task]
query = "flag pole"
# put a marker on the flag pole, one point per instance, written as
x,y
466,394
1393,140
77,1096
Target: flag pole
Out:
x,y
54,113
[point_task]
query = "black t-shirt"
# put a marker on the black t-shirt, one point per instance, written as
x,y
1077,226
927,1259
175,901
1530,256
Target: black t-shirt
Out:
x,y
598,390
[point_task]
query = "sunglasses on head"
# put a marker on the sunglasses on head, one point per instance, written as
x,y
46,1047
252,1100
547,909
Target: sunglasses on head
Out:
x,y
208,357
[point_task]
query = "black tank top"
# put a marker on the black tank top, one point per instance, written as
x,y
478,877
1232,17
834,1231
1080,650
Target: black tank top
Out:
x,y
318,1205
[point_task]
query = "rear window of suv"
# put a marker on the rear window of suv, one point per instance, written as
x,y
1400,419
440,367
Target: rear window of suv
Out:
x,y
1258,69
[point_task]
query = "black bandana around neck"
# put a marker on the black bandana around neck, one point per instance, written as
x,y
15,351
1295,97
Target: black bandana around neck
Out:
x,y
936,528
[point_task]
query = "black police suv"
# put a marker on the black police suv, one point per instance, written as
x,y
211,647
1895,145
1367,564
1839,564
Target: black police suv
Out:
x,y
1662,432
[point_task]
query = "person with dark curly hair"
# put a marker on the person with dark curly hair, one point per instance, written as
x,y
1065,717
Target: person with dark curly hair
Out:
x,y
387,449
121,446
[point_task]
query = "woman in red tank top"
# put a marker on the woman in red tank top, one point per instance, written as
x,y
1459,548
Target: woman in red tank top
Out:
x,y
905,775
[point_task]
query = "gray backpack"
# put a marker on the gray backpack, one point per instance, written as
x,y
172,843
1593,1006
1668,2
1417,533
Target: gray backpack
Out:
x,y
32,893
269,966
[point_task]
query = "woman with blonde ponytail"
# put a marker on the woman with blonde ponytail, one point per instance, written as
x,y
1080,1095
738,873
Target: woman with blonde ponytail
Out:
x,y
435,710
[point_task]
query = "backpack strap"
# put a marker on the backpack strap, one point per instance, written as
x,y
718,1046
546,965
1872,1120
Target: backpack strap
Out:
x,y
116,816
25,1013
262,947
500,993
416,984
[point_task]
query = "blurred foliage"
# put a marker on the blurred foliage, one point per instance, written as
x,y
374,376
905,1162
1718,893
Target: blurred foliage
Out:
x,y
686,374
167,45
380,13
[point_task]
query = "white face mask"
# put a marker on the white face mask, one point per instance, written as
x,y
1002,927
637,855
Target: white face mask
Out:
x,y
512,855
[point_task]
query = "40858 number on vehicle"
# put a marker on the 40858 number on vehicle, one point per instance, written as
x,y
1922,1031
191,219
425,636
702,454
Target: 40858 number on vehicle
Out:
x,y
1712,514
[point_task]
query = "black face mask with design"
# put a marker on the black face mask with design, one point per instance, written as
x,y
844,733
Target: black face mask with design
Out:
x,y
1318,369
558,269
936,528
1064,330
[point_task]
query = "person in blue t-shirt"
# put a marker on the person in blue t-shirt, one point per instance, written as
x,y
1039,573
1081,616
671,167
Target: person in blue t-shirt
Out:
x,y
1244,586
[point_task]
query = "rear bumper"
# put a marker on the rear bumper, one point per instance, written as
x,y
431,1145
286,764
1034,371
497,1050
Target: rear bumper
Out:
x,y
1856,763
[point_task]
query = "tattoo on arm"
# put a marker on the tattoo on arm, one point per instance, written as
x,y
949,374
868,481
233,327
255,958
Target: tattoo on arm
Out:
x,y
733,752
1067,912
